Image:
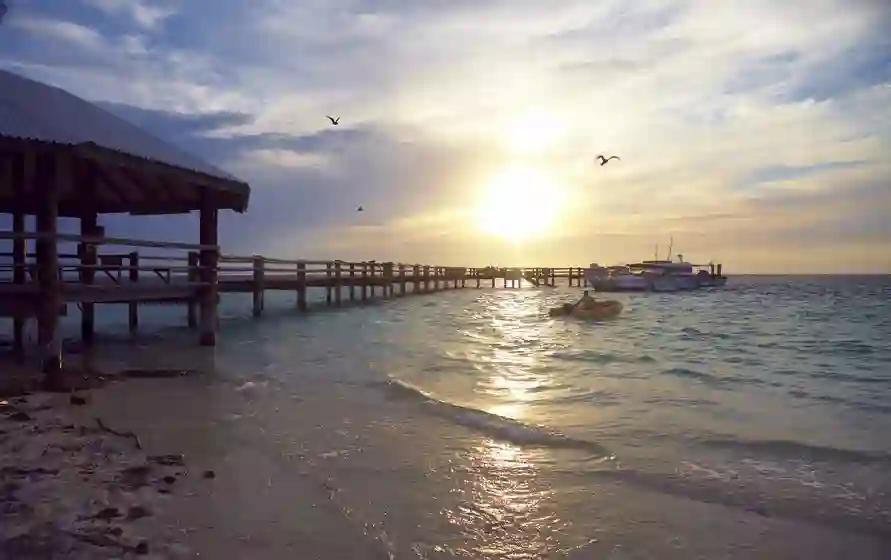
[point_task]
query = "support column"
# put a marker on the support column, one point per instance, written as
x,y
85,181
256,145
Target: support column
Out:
x,y
88,259
301,286
19,173
18,277
194,276
259,290
208,259
54,175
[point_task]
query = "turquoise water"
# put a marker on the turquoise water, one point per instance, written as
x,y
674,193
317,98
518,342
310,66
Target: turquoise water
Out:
x,y
750,421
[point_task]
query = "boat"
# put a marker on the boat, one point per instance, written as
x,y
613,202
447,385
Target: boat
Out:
x,y
615,279
655,275
604,309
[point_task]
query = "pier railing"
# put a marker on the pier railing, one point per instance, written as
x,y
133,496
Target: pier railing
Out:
x,y
44,272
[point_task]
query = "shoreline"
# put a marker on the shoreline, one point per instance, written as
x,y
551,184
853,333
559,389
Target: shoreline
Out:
x,y
185,484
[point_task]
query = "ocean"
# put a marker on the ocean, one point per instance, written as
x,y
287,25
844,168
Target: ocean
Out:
x,y
750,421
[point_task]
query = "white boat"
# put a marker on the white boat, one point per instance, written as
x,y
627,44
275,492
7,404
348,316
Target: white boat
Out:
x,y
615,279
654,275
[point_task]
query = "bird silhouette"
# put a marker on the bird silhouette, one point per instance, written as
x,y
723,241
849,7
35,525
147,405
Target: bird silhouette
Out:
x,y
334,121
360,209
603,159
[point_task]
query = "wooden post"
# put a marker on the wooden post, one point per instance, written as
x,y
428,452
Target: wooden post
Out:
x,y
426,278
371,269
301,286
18,277
194,276
387,275
416,275
401,279
259,292
476,272
49,186
352,281
133,307
364,281
328,284
337,283
209,258
494,274
19,174
88,259
436,270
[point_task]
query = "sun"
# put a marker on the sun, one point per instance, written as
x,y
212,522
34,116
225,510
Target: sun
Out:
x,y
519,202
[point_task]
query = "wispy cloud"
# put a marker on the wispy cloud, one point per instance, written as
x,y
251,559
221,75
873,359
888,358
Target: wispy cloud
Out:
x,y
145,13
744,128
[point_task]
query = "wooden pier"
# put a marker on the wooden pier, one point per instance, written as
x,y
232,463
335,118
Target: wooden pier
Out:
x,y
172,274
70,159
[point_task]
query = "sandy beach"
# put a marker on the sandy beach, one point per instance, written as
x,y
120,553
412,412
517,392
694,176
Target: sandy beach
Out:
x,y
151,468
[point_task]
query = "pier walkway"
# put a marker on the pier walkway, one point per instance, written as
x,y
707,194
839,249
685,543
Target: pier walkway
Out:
x,y
137,272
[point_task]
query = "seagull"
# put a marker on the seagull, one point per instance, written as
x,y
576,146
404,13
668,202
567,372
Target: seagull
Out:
x,y
603,159
360,209
334,121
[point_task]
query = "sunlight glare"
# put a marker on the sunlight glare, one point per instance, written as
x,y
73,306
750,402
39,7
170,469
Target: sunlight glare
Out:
x,y
533,132
519,202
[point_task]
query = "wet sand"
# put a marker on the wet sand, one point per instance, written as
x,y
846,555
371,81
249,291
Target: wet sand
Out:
x,y
70,489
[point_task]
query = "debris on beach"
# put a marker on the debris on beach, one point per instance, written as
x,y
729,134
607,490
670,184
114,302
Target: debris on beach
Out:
x,y
74,491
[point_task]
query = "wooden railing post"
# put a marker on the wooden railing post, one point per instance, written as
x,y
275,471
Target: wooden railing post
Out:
x,y
364,281
133,307
416,275
301,286
352,281
371,270
426,278
259,289
494,274
337,283
436,277
193,277
476,272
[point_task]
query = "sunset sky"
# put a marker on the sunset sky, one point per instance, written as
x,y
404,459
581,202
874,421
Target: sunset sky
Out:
x,y
756,133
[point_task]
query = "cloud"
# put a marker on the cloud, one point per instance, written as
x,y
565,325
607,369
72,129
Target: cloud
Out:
x,y
57,31
146,14
742,131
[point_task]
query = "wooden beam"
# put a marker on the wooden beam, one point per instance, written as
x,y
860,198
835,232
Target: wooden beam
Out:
x,y
239,189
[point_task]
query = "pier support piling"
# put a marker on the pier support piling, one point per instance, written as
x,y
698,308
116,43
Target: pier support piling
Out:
x,y
133,277
259,277
301,286
52,177
209,258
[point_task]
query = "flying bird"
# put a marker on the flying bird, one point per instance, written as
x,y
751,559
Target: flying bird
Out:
x,y
334,121
603,159
360,209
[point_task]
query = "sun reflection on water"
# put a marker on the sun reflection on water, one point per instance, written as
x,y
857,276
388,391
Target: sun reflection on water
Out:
x,y
506,510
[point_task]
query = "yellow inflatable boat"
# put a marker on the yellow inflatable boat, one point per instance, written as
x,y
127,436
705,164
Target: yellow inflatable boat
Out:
x,y
602,310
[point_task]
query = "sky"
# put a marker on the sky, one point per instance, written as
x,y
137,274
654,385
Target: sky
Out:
x,y
751,133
